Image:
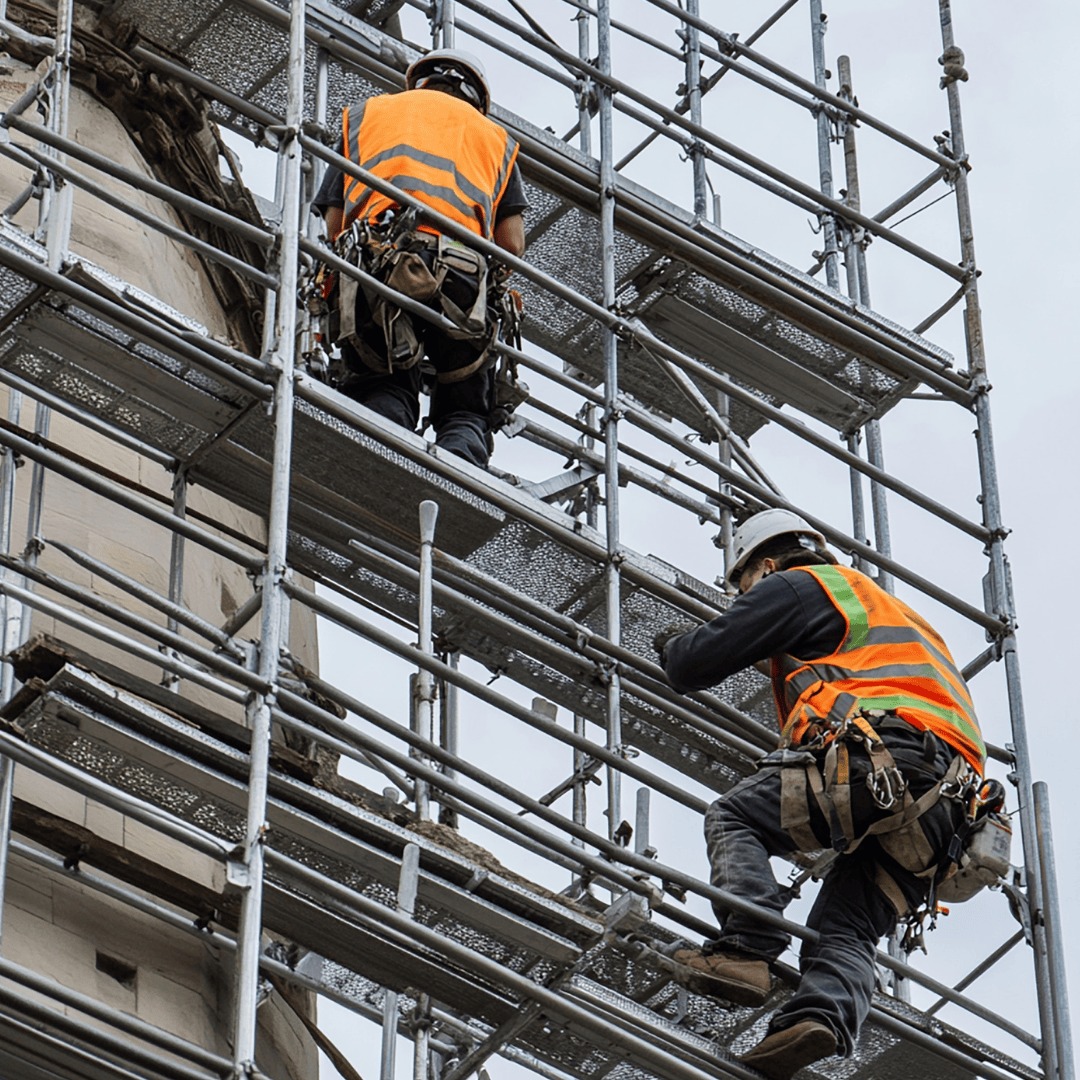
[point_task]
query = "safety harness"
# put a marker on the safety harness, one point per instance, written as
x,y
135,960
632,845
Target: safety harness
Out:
x,y
829,782
425,267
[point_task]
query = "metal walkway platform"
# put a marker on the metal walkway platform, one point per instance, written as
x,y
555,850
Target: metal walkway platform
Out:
x,y
356,476
741,312
165,760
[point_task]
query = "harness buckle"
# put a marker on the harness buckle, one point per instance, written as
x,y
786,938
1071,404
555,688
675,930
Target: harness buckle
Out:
x,y
887,786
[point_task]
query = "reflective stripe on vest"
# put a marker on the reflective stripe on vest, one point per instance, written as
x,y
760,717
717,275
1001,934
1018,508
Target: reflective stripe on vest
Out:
x,y
890,659
433,146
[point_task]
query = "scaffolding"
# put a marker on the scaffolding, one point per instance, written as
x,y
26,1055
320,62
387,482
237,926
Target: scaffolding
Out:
x,y
659,346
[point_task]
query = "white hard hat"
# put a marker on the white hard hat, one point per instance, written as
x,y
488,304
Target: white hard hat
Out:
x,y
445,64
760,529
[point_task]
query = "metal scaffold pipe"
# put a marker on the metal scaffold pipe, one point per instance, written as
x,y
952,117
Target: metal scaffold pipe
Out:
x,y
424,699
610,423
1051,1012
831,254
282,332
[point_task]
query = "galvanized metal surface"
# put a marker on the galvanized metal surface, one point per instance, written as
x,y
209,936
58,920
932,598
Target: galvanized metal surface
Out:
x,y
688,292
239,49
164,759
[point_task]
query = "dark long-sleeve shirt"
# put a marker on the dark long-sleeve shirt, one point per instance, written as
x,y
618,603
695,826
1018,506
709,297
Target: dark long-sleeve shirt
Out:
x,y
785,612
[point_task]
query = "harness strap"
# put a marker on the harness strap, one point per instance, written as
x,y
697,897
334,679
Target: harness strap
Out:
x,y
914,809
899,834
794,807
893,893
837,772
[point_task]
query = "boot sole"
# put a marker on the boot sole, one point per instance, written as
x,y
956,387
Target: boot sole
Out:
x,y
785,1061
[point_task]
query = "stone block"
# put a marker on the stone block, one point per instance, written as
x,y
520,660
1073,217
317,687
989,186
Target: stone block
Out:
x,y
172,1007
43,947
105,822
142,840
49,795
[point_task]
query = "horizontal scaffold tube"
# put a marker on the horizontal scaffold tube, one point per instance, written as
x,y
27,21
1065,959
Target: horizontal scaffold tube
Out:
x,y
409,933
87,597
77,1035
484,693
579,542
84,476
108,636
260,237
46,763
230,365
64,407
32,158
324,727
516,612
213,938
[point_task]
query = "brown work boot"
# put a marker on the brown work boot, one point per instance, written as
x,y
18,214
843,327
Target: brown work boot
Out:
x,y
780,1055
740,979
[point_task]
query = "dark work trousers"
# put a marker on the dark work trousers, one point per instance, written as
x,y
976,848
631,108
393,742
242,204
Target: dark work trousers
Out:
x,y
459,410
851,914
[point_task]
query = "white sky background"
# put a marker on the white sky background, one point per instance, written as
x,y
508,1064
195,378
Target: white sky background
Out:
x,y
1020,120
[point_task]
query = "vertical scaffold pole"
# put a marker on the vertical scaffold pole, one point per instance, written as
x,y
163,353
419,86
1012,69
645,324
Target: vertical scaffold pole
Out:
x,y
10,627
249,867
57,225
693,94
854,255
858,503
1054,1022
424,710
450,716
176,566
580,792
859,290
727,524
879,503
1055,950
12,616
611,392
830,256
442,24
408,882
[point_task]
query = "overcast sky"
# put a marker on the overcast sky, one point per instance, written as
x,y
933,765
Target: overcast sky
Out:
x,y
1020,118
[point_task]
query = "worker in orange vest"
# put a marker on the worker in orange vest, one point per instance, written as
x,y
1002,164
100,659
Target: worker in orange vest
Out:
x,y
436,142
879,754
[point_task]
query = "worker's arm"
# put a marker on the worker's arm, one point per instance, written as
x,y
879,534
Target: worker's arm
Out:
x,y
783,613
510,234
334,216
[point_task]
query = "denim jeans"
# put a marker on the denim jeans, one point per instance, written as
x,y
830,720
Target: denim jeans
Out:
x,y
742,829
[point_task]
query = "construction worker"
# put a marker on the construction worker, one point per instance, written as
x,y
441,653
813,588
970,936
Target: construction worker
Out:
x,y
877,732
436,142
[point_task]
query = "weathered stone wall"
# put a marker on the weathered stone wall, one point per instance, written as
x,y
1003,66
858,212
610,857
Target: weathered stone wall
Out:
x,y
51,923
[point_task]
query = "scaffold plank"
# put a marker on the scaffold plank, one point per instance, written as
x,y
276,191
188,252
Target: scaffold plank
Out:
x,y
835,381
351,477
111,733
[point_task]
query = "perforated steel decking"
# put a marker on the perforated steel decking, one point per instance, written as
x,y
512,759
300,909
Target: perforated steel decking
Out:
x,y
808,347
349,481
164,759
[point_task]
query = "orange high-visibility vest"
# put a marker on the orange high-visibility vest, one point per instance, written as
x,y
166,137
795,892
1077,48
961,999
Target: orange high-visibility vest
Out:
x,y
434,146
890,659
